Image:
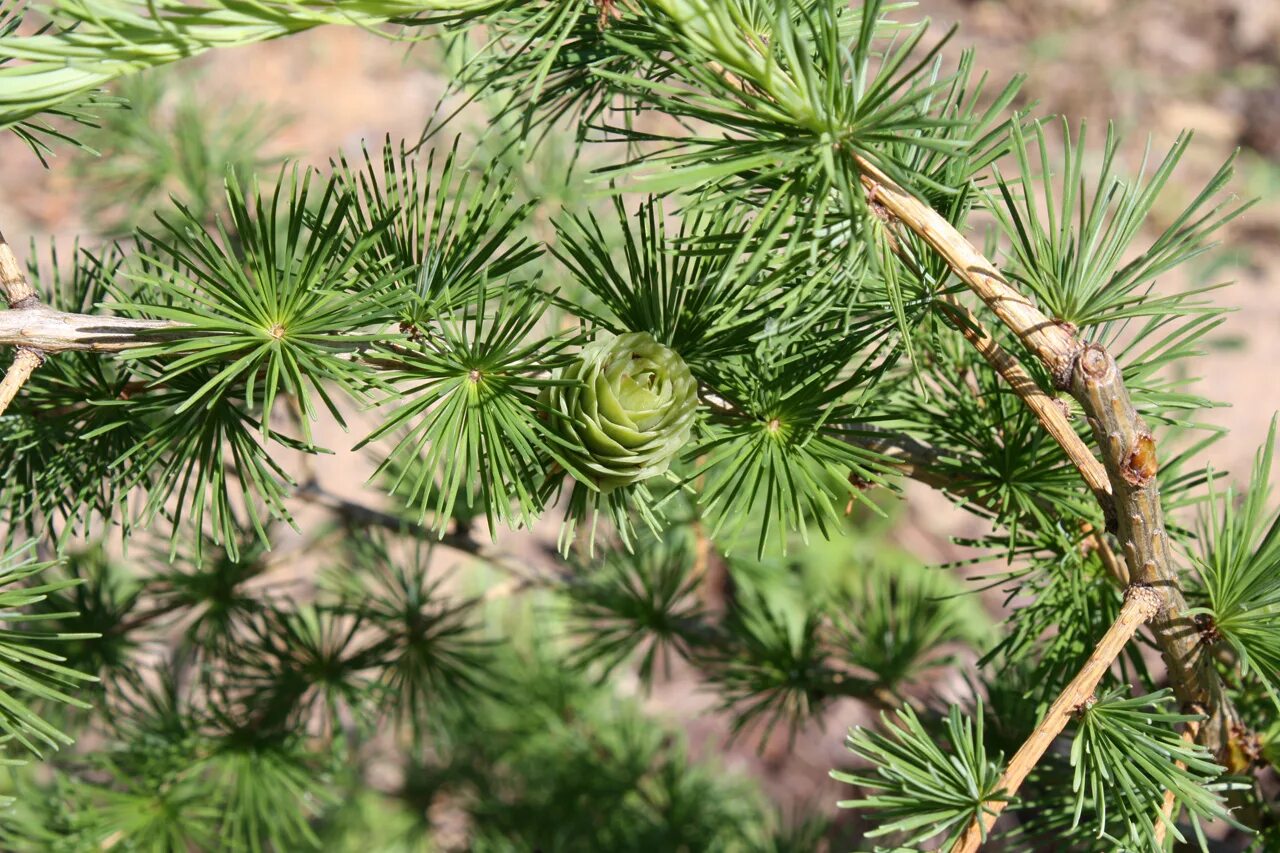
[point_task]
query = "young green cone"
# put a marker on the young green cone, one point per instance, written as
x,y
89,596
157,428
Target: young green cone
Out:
x,y
633,410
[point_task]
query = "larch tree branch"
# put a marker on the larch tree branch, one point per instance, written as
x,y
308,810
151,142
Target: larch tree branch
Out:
x,y
51,331
1127,446
25,361
17,289
1140,605
1048,411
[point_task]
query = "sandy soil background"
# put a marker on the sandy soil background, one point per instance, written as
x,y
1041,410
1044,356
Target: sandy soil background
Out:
x,y
1153,66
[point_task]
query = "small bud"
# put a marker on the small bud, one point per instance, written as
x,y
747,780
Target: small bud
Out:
x,y
1141,464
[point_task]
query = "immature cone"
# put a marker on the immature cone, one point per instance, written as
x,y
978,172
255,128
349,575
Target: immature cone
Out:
x,y
633,411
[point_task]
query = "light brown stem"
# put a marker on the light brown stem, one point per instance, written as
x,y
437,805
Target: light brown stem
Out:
x,y
25,361
17,289
1048,411
1141,603
1097,541
20,295
1051,342
1051,414
56,331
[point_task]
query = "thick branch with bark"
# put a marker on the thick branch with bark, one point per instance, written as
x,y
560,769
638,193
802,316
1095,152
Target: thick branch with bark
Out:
x,y
1130,453
1127,446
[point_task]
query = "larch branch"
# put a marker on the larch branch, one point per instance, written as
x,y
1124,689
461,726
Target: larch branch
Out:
x,y
56,331
1130,453
1141,604
1050,341
1126,444
1052,415
17,289
1048,411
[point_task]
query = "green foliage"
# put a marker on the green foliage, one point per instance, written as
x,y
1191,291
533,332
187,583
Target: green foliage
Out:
x,y
466,406
41,129
898,624
637,604
96,41
773,670
262,315
744,350
444,233
1072,252
97,604
30,671
60,439
1123,754
1238,561
583,772
784,447
919,790
697,301
423,643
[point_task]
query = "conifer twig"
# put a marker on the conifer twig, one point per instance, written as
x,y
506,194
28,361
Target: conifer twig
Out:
x,y
1050,341
1047,410
313,493
54,331
25,361
17,289
21,296
1141,603
1127,445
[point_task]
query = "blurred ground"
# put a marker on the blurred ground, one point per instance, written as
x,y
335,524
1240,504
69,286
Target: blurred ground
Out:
x,y
1152,66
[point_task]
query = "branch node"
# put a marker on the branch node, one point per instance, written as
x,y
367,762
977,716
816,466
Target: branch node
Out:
x,y
1207,629
1248,744
25,302
1093,361
1083,708
1147,598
